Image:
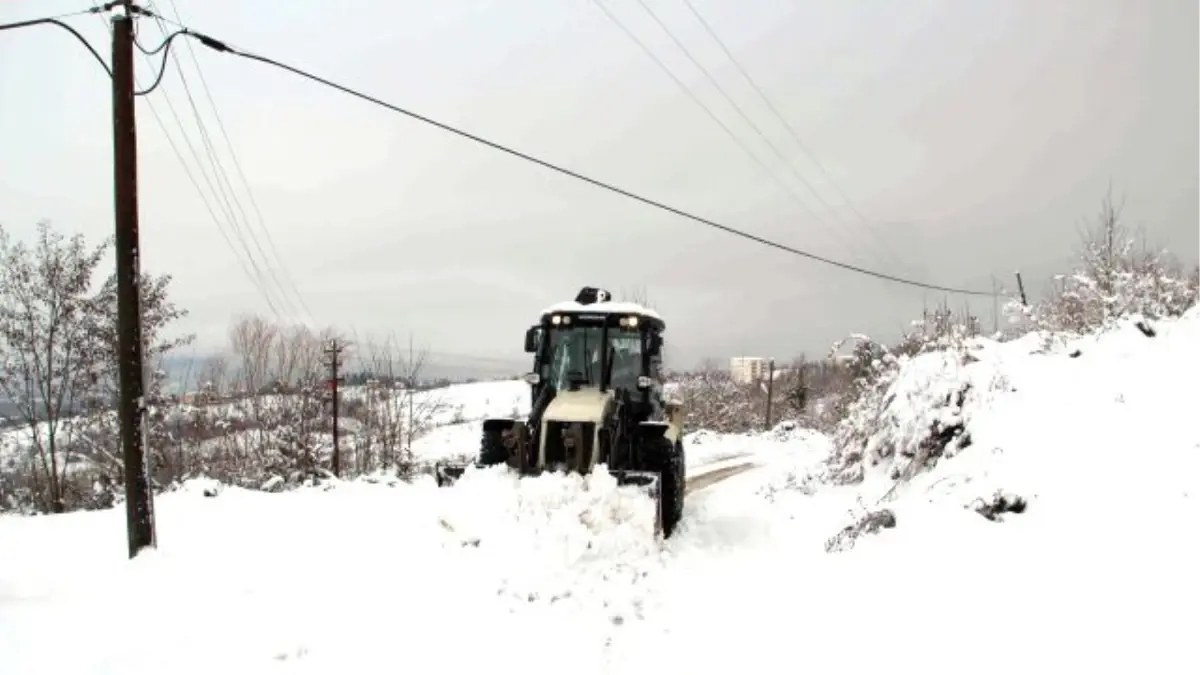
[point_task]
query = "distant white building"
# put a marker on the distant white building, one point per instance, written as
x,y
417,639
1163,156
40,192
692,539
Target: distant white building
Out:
x,y
747,369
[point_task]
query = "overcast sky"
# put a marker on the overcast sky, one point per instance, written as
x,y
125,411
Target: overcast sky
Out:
x,y
972,136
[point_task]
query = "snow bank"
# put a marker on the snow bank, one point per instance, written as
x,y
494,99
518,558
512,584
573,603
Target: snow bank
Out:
x,y
1116,398
356,573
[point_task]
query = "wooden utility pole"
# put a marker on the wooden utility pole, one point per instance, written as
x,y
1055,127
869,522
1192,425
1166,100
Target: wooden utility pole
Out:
x,y
139,507
1021,288
335,351
995,305
770,390
412,376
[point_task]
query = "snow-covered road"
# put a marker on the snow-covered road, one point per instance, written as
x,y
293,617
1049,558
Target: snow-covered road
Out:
x,y
559,574
356,578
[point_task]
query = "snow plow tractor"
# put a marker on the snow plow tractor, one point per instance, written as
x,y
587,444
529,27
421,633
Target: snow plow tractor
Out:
x,y
597,400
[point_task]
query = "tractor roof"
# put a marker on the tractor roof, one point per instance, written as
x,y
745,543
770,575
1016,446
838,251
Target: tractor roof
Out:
x,y
603,308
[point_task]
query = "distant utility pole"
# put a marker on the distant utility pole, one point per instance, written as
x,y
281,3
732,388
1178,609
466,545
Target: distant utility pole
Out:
x,y
995,305
412,376
139,507
335,351
770,390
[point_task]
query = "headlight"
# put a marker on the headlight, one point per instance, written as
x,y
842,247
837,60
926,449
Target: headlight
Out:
x,y
556,319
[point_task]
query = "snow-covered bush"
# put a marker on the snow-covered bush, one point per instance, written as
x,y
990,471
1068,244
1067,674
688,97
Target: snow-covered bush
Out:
x,y
905,403
713,401
909,405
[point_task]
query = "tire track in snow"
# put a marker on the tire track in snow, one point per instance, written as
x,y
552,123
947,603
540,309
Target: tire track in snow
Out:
x,y
710,478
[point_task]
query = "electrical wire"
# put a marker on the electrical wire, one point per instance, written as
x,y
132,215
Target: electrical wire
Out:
x,y
151,52
165,48
788,190
219,46
762,94
226,196
757,130
253,273
52,21
291,283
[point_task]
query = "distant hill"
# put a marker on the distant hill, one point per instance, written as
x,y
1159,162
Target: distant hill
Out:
x,y
182,372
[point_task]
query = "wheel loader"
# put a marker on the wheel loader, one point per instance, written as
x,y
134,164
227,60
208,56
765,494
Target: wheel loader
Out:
x,y
597,400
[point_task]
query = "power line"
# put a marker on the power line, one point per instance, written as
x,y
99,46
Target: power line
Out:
x,y
757,130
241,174
54,21
220,46
255,277
762,94
224,189
296,305
229,200
699,103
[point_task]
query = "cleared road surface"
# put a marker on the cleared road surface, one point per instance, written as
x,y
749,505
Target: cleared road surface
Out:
x,y
697,483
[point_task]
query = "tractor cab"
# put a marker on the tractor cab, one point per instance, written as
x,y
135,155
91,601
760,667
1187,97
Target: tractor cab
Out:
x,y
593,343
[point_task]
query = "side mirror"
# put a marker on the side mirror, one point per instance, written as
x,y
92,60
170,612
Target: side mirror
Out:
x,y
532,338
655,345
532,378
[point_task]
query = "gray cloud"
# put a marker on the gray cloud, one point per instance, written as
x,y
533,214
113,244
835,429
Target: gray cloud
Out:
x,y
973,136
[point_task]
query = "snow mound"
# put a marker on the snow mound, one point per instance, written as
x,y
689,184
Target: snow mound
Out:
x,y
556,537
260,576
921,416
201,486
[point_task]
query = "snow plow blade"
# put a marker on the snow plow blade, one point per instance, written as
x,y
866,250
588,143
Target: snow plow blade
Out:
x,y
650,481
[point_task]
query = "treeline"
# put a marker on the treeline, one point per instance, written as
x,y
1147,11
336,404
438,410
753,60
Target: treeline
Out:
x,y
259,417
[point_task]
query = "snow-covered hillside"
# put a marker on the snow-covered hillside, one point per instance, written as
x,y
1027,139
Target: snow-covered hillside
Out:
x,y
1096,436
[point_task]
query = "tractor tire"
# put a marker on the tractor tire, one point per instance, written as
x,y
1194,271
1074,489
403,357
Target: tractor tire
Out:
x,y
667,458
492,450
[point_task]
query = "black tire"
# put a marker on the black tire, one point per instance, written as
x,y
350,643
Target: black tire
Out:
x,y
667,458
491,449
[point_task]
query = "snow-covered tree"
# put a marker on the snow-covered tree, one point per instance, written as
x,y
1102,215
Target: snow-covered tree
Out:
x,y
58,353
1114,277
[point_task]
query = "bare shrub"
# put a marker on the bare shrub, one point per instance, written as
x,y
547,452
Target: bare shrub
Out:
x,y
715,402
58,361
393,413
279,420
1114,278
870,522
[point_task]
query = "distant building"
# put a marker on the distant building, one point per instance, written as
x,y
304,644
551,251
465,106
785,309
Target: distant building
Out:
x,y
747,369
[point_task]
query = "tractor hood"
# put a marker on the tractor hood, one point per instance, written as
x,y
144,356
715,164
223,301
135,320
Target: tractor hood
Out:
x,y
582,405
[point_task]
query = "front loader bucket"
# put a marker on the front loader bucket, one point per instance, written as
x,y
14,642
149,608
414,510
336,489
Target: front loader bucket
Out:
x,y
447,474
651,483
